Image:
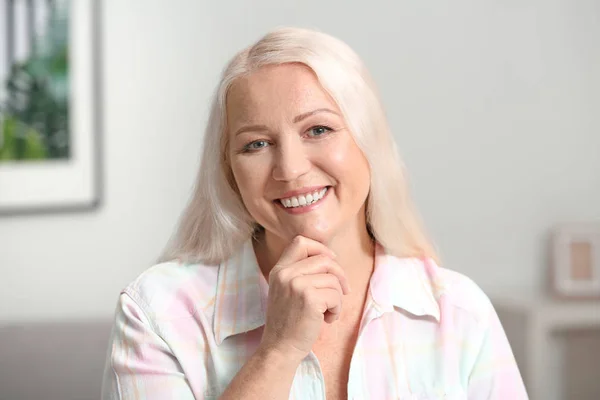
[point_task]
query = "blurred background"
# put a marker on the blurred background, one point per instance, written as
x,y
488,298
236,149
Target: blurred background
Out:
x,y
495,106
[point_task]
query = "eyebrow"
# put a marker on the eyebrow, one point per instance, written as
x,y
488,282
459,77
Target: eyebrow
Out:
x,y
313,112
298,118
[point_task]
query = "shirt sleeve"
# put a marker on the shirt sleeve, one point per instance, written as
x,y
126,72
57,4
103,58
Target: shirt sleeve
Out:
x,y
140,364
495,375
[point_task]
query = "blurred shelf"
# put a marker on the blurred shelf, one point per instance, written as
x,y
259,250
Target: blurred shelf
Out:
x,y
533,323
557,313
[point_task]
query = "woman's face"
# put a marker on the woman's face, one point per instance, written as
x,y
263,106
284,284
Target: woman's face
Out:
x,y
296,165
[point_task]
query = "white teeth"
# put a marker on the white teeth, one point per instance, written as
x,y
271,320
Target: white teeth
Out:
x,y
303,200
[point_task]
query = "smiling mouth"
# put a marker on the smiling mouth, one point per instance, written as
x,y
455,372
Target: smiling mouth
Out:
x,y
303,200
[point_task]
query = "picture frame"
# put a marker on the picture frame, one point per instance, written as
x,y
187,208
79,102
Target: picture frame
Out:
x,y
576,261
73,182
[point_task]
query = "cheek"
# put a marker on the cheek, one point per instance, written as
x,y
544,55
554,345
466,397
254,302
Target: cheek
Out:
x,y
251,175
349,164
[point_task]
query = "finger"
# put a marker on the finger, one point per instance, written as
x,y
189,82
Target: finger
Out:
x,y
319,264
302,247
316,281
329,300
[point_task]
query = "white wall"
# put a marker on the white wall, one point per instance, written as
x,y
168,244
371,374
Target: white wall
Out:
x,y
495,106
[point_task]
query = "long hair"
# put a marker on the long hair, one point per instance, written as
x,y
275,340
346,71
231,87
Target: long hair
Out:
x,y
216,223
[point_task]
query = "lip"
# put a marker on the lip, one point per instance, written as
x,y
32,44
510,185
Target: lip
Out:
x,y
302,191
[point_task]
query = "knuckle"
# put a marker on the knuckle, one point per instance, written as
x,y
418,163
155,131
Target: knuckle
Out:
x,y
331,266
296,285
277,274
335,265
274,272
287,274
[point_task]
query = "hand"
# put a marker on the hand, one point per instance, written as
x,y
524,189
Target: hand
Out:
x,y
306,287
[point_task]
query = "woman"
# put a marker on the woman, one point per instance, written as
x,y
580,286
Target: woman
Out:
x,y
300,269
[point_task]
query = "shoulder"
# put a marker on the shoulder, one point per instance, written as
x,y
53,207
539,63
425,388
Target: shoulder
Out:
x,y
464,295
421,287
174,289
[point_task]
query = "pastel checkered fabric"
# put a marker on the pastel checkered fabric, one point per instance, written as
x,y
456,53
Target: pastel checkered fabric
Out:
x,y
182,331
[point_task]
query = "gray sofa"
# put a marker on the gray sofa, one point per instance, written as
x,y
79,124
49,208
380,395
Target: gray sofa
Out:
x,y
53,361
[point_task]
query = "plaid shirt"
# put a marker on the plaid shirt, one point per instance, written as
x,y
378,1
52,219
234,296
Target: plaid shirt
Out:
x,y
183,331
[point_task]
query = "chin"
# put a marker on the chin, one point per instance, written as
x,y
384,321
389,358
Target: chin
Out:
x,y
320,237
321,234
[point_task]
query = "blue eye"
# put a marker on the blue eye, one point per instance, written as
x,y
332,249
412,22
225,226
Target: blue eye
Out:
x,y
256,145
319,130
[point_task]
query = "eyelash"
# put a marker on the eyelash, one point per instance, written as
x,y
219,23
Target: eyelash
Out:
x,y
247,148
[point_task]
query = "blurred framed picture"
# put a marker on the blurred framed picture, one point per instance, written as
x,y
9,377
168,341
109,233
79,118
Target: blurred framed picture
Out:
x,y
49,106
576,260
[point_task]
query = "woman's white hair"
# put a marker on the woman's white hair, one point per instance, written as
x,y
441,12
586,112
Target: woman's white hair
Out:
x,y
216,223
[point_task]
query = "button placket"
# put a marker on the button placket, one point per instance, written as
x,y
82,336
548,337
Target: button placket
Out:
x,y
313,367
372,312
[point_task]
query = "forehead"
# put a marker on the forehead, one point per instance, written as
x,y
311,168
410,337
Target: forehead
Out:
x,y
276,89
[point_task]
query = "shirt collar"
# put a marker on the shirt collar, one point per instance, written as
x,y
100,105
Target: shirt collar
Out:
x,y
241,298
411,284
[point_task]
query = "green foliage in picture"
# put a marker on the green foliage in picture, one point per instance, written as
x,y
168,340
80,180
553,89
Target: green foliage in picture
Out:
x,y
24,145
34,119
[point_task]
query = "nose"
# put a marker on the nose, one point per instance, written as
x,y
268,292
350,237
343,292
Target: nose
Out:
x,y
291,161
